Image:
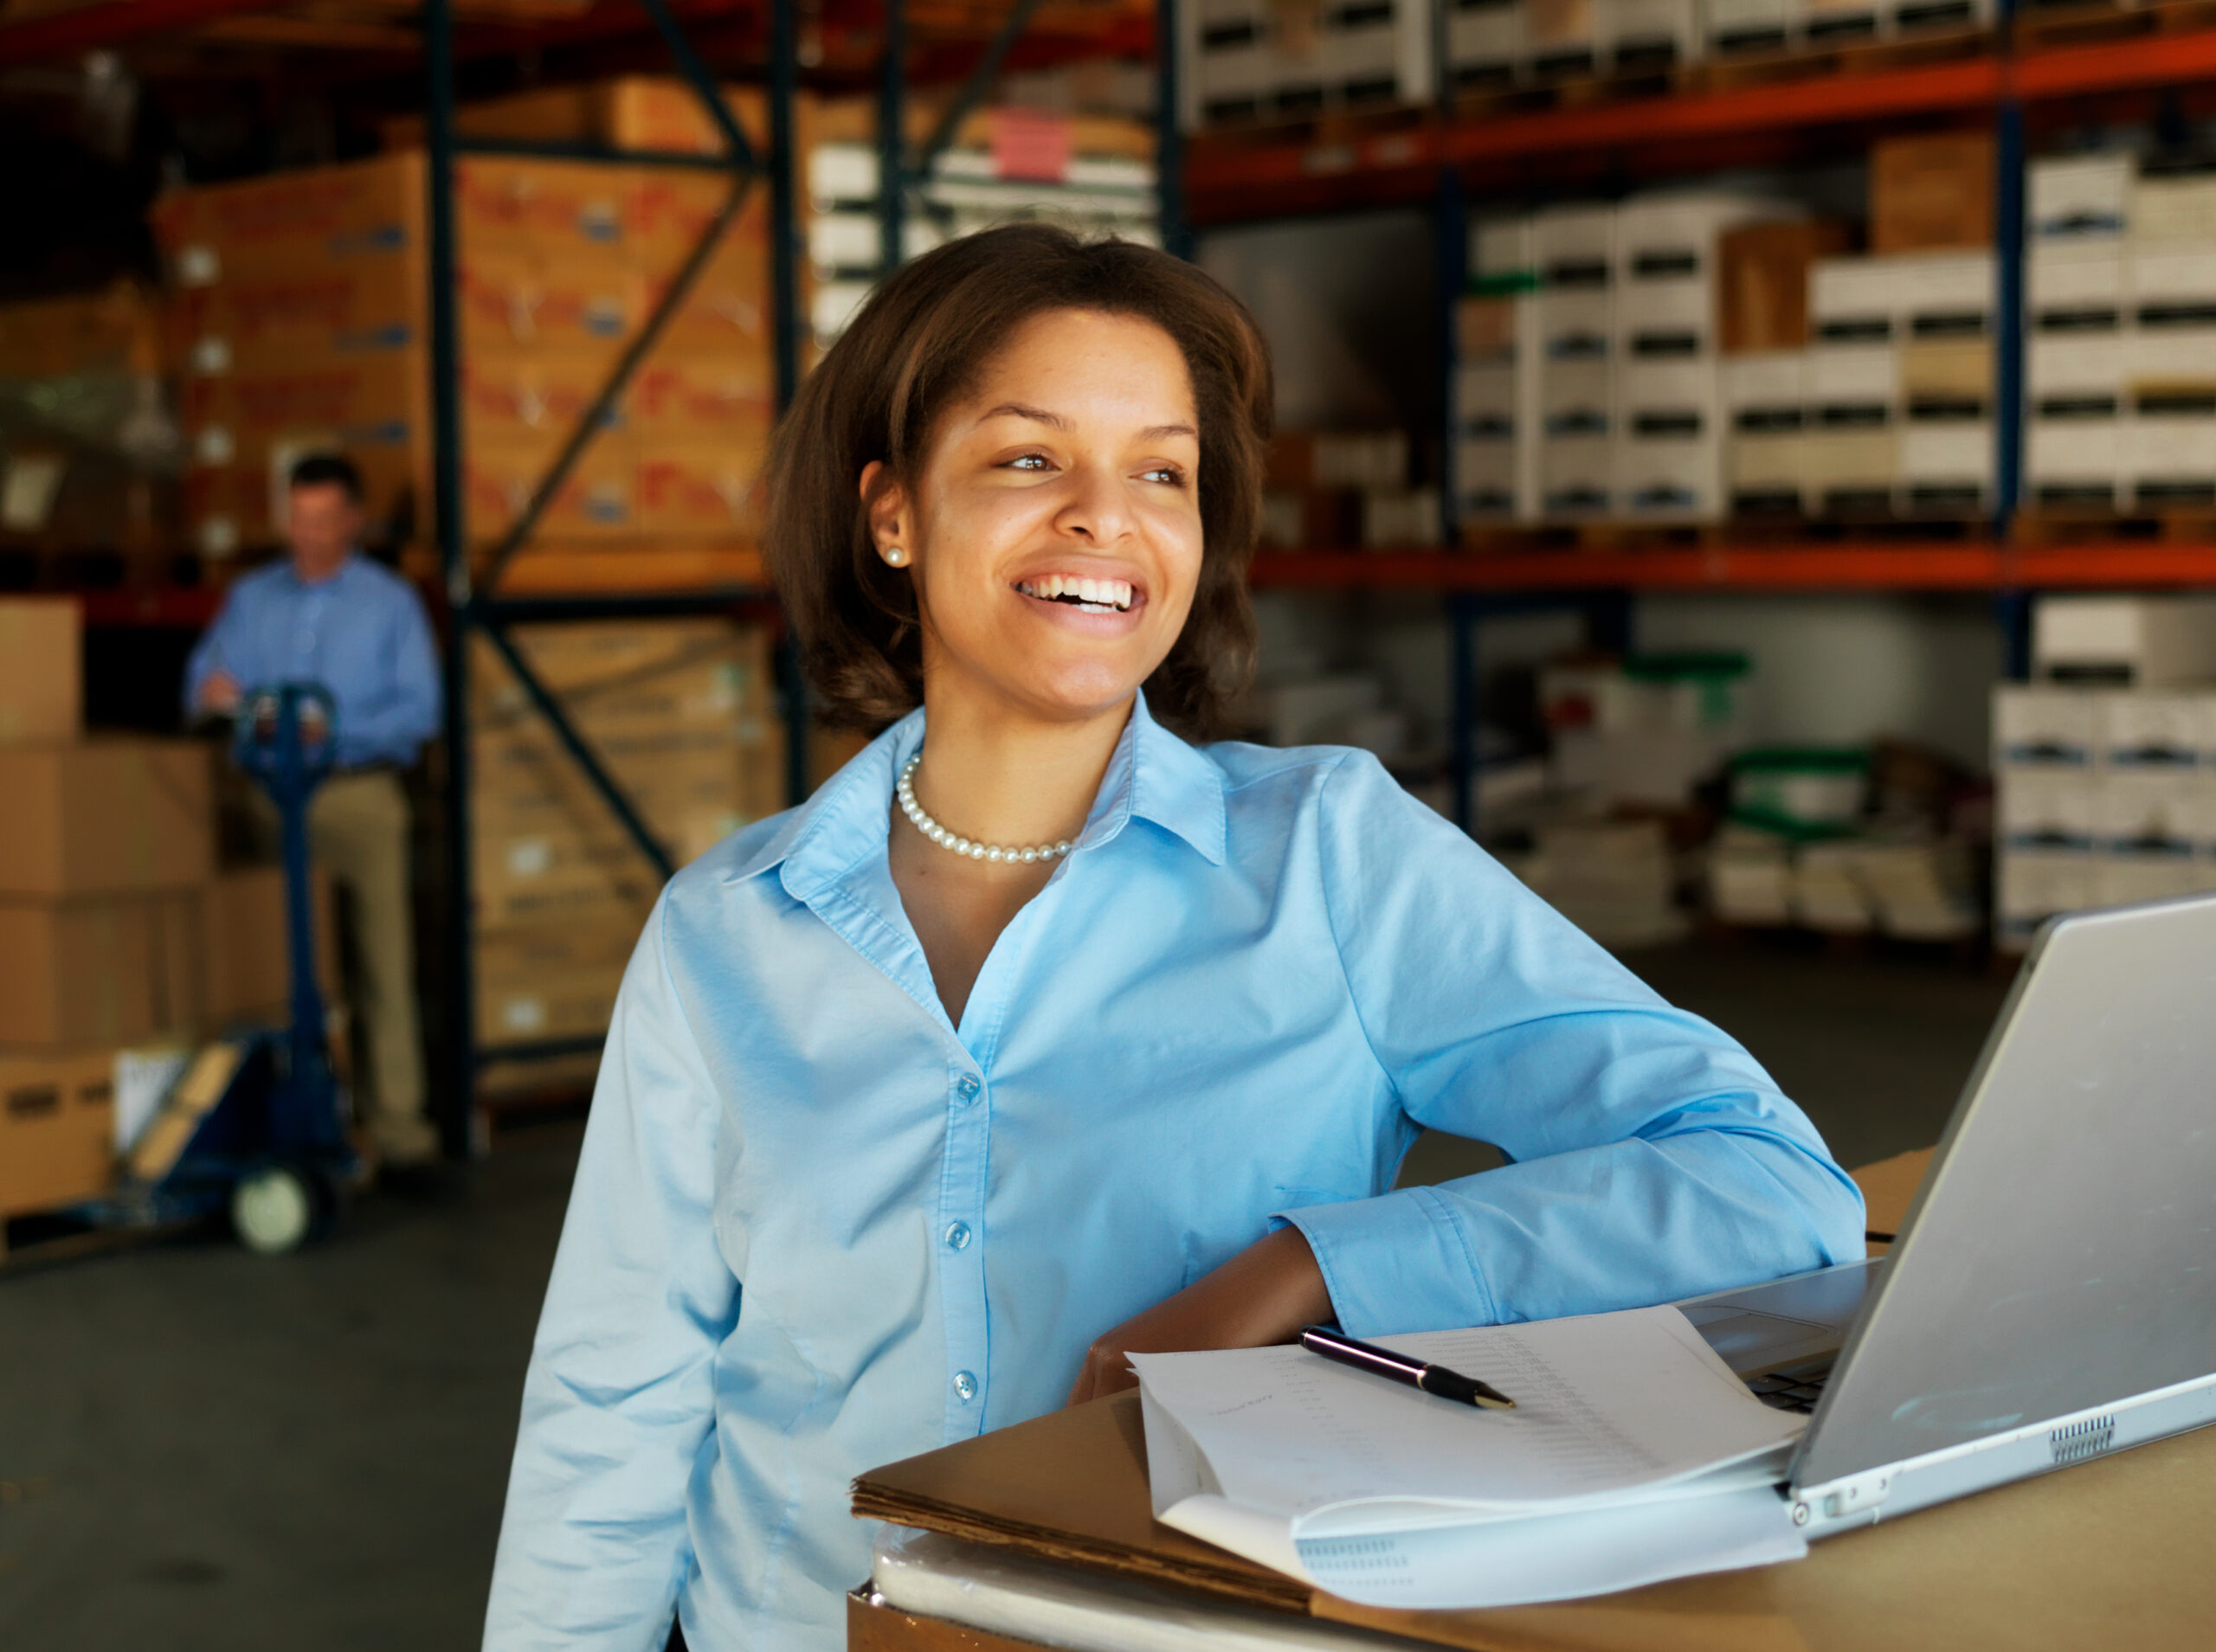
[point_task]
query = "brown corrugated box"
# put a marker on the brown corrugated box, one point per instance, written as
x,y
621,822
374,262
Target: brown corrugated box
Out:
x,y
1930,194
1763,282
248,972
57,1128
110,815
42,669
100,969
116,331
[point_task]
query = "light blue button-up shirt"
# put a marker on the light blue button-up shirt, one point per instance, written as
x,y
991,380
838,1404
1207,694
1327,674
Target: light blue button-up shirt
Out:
x,y
817,1227
361,633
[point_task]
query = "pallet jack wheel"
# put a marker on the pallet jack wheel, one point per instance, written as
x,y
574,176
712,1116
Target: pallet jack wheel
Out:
x,y
278,1208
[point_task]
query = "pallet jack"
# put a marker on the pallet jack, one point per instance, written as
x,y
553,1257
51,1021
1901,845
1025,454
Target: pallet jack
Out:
x,y
257,1123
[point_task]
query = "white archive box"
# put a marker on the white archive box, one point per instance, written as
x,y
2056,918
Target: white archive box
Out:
x,y
2074,463
1485,43
1669,475
2126,880
1485,481
2149,811
1854,299
1576,476
1677,386
1485,398
2169,458
1768,385
1851,471
2160,276
2137,729
1668,316
1913,17
1924,286
1576,398
2038,884
2170,359
1833,23
1503,247
1377,53
1574,325
2036,725
2076,284
2175,205
1860,376
2079,196
2044,808
1561,38
1635,35
1576,245
2142,641
1767,471
2076,367
1946,467
1737,26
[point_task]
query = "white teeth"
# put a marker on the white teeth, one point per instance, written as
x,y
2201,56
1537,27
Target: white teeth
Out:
x,y
1100,595
1090,590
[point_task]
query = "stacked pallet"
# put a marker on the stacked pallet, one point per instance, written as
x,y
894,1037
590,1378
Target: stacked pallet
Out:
x,y
299,315
121,941
683,713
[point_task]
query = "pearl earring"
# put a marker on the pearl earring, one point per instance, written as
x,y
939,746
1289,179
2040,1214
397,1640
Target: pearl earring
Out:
x,y
894,556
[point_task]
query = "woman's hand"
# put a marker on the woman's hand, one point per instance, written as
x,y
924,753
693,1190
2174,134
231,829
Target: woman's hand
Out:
x,y
1262,1295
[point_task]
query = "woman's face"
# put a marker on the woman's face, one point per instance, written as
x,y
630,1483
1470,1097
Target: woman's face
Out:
x,y
1054,534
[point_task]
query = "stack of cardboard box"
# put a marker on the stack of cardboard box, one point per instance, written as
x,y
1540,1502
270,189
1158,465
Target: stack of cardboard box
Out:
x,y
116,930
299,317
682,712
88,445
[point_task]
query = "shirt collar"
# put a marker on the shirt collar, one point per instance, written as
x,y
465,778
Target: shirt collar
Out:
x,y
1153,776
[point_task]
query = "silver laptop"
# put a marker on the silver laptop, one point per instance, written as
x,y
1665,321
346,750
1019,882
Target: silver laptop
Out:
x,y
2051,1296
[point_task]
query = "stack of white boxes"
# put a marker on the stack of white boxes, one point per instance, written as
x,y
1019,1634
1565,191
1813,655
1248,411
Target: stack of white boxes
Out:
x,y
1269,59
1888,411
1598,397
2107,794
2120,378
1105,186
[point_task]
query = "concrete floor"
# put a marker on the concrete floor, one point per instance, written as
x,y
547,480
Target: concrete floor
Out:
x,y
201,1450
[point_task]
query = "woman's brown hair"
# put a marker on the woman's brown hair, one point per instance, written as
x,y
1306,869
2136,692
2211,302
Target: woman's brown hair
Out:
x,y
919,344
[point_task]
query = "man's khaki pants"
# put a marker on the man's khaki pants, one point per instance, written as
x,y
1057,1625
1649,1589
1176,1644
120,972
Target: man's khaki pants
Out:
x,y
357,833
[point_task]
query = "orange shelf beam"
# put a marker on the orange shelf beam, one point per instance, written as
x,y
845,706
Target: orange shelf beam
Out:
x,y
1939,566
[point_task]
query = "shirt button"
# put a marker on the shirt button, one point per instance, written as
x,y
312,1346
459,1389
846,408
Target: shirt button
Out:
x,y
967,1087
957,1237
965,1386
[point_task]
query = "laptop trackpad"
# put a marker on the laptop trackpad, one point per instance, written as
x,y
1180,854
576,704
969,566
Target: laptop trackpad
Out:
x,y
1785,1321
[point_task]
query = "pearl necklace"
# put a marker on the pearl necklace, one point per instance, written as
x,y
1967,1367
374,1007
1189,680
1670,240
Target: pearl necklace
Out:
x,y
939,834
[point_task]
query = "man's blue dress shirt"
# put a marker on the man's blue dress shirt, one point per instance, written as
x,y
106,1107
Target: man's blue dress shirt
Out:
x,y
361,633
817,1227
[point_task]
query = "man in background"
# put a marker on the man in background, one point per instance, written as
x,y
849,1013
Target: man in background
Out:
x,y
328,615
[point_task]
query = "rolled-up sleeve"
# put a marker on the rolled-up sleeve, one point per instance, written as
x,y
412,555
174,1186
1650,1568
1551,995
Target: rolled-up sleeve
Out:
x,y
1652,1158
619,1411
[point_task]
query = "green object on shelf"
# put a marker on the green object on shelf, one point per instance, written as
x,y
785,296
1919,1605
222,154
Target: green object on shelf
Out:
x,y
1806,793
1503,284
1712,675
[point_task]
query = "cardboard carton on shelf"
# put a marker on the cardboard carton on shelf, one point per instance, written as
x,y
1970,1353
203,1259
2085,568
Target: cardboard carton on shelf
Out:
x,y
100,968
598,500
548,1003
1928,194
115,331
247,975
632,111
367,211
57,1128
115,814
639,680
42,669
705,489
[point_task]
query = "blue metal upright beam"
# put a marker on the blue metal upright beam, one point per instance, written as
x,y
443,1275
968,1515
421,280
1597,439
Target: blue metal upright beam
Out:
x,y
786,321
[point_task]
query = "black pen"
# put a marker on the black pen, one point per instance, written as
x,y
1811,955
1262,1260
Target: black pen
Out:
x,y
1399,1368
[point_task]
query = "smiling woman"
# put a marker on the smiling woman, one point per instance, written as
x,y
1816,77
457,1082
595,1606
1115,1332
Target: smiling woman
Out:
x,y
1040,1037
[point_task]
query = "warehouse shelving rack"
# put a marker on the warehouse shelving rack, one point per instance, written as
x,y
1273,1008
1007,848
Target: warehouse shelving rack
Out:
x,y
1439,163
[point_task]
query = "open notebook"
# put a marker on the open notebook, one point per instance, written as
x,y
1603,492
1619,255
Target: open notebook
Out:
x,y
1633,1455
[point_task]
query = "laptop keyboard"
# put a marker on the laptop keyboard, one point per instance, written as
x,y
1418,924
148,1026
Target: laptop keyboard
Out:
x,y
1796,1389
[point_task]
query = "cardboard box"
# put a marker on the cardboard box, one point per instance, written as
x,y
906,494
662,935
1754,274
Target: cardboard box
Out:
x,y
2068,197
42,669
2047,808
633,112
117,330
57,1127
1931,193
2158,731
363,211
2149,812
642,679
1763,273
246,968
112,815
2145,641
549,1003
99,968
699,488
2034,725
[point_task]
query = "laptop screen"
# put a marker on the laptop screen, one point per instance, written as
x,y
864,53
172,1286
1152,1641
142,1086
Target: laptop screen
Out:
x,y
2063,1255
